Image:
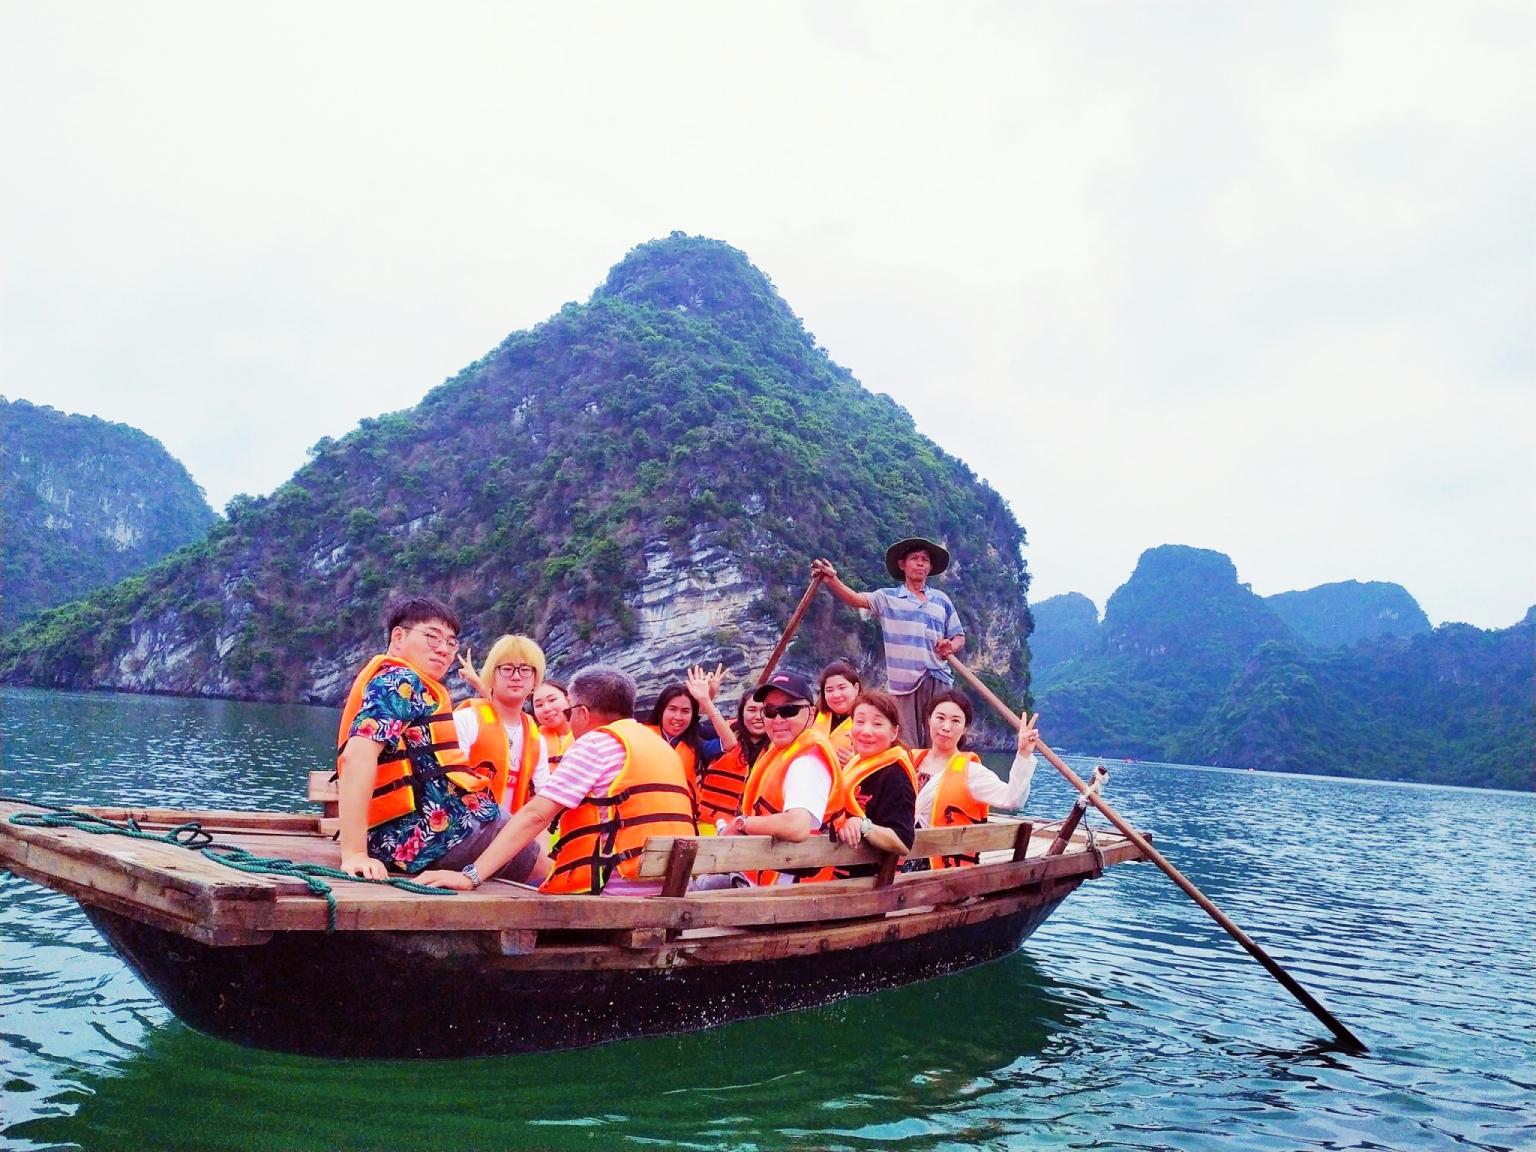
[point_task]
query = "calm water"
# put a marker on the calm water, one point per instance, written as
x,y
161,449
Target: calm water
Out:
x,y
1128,1021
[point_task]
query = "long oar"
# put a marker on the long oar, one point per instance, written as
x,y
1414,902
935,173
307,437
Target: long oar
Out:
x,y
789,630
1152,854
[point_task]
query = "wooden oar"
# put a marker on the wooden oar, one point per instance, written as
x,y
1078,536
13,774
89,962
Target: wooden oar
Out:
x,y
789,630
1347,1037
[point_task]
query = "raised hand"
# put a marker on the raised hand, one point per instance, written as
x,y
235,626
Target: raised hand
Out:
x,y
467,670
716,678
699,686
1029,739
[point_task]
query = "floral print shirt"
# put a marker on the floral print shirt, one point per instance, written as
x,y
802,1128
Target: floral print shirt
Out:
x,y
396,706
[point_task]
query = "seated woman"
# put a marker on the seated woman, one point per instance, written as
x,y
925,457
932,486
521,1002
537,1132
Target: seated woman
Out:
x,y
550,703
676,717
955,787
721,783
879,787
493,728
840,685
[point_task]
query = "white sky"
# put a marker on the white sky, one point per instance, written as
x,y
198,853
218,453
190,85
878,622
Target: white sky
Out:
x,y
1255,277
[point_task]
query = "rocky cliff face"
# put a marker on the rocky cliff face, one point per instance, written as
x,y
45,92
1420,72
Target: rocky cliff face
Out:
x,y
85,502
642,480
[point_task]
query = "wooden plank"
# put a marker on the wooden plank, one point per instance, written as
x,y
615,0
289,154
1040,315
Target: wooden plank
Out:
x,y
212,820
718,854
326,792
368,907
680,867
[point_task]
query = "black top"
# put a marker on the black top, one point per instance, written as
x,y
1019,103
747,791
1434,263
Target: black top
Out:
x,y
888,799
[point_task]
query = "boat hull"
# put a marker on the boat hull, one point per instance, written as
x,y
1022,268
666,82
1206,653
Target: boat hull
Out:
x,y
398,996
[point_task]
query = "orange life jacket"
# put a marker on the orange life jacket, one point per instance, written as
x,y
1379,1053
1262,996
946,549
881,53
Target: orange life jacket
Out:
x,y
397,784
763,794
686,754
840,736
855,772
953,804
604,835
492,751
555,745
721,785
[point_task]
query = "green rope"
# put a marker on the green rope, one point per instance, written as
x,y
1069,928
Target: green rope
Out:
x,y
191,835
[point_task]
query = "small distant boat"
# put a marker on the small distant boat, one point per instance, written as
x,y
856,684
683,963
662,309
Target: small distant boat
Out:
x,y
260,959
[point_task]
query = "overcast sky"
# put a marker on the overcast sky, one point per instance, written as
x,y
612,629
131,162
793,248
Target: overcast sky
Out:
x,y
1253,277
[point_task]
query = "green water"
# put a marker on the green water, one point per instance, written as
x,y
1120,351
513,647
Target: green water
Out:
x,y
1128,1021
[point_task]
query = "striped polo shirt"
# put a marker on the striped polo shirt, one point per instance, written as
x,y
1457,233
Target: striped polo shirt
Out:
x,y
910,628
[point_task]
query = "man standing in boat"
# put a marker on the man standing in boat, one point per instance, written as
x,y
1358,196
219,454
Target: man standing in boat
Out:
x,y
408,797
618,784
918,624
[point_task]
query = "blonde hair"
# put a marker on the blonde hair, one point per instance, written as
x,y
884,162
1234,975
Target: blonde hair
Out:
x,y
513,650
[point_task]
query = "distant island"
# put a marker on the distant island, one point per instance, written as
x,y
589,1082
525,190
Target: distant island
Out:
x,y
642,479
1347,679
84,503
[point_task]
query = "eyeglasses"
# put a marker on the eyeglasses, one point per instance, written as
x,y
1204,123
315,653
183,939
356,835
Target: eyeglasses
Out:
x,y
573,708
508,671
788,711
435,638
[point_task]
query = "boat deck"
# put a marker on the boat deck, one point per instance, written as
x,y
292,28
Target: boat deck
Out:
x,y
181,890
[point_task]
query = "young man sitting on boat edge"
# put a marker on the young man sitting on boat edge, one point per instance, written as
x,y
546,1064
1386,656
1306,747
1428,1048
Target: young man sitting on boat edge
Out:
x,y
408,796
618,785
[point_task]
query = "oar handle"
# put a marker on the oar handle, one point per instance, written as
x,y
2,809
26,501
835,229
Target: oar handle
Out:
x,y
1145,847
789,630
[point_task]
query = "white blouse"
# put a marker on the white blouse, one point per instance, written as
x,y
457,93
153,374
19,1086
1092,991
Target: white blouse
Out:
x,y
984,784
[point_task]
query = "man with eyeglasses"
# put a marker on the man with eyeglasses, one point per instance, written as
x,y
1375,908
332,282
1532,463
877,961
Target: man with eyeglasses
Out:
x,y
617,785
409,797
792,791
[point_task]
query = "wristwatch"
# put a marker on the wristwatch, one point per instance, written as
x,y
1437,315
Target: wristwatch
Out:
x,y
864,826
473,873
740,825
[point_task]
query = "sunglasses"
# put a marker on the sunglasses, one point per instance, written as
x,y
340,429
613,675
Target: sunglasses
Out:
x,y
788,711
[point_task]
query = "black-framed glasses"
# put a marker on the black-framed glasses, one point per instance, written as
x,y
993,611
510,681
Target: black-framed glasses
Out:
x,y
572,708
437,639
788,711
508,671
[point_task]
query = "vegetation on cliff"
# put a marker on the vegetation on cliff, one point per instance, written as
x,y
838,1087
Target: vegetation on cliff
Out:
x,y
1338,615
84,503
1191,666
683,405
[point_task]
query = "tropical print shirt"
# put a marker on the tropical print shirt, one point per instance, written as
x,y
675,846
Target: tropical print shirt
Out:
x,y
396,706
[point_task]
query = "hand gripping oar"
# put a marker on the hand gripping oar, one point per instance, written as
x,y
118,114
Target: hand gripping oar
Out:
x,y
789,630
1345,1036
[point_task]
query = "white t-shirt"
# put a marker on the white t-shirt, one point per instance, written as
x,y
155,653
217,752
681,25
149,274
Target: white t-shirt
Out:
x,y
466,721
808,785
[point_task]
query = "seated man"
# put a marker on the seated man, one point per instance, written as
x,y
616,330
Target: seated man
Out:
x,y
619,784
793,790
408,797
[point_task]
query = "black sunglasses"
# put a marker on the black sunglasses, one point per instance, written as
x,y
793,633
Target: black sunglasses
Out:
x,y
788,711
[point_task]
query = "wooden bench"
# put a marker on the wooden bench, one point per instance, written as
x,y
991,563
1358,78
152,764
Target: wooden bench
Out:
x,y
676,859
323,791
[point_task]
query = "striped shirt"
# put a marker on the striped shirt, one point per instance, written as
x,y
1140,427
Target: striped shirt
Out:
x,y
589,768
910,628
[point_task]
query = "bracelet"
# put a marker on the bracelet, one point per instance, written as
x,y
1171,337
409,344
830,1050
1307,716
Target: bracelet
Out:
x,y
864,826
473,873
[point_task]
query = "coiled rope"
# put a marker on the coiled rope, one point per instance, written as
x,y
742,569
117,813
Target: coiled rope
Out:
x,y
193,836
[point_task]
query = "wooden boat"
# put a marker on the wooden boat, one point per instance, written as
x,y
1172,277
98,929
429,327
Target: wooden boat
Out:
x,y
258,959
